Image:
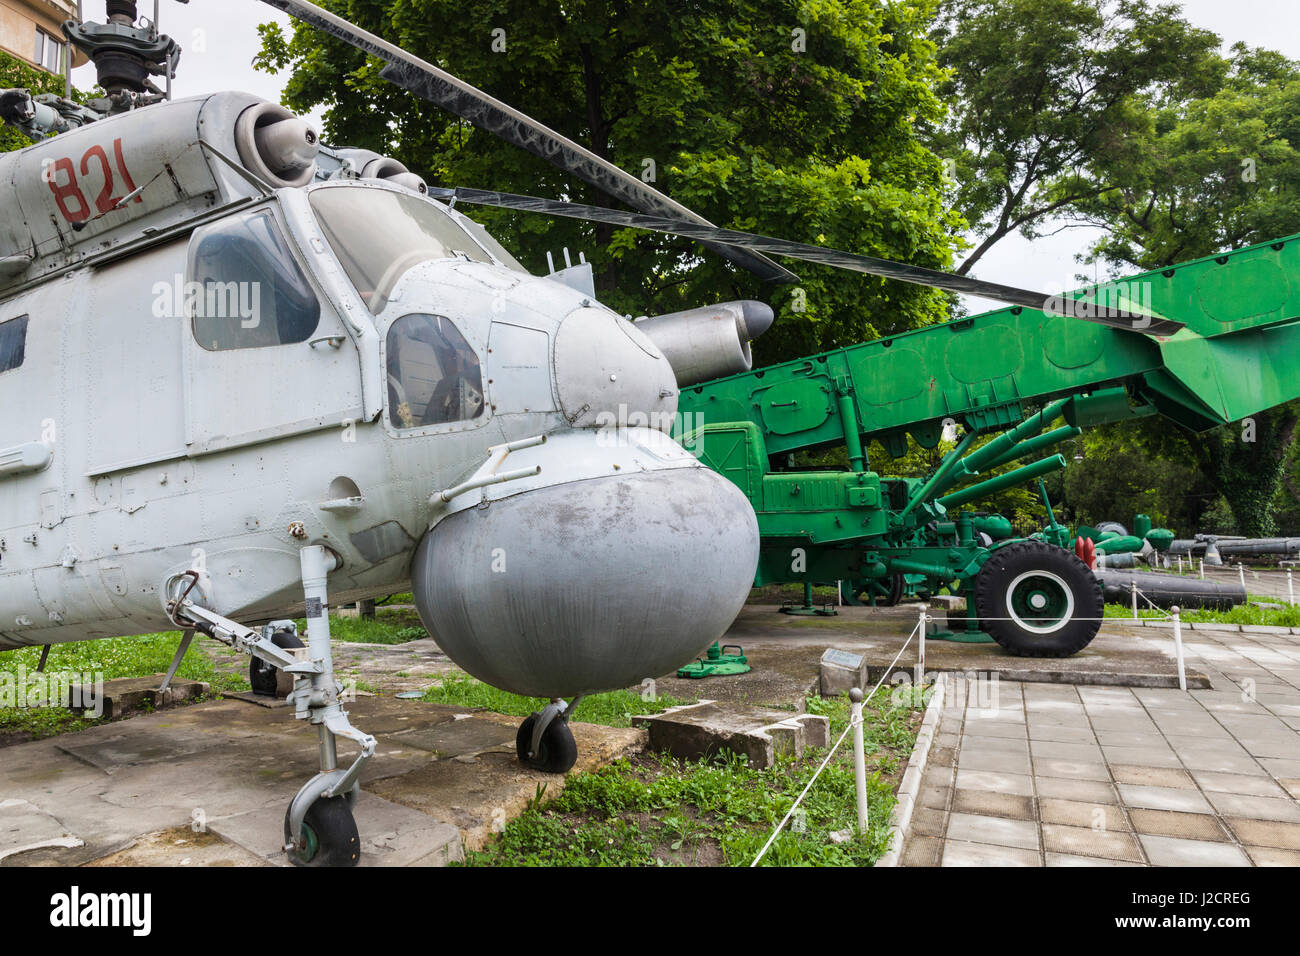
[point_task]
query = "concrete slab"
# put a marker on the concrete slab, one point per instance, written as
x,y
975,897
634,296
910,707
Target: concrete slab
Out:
x,y
1088,841
124,696
1186,826
479,795
999,831
1170,851
984,854
777,646
759,734
120,792
180,846
457,738
990,804
391,835
25,827
133,746
1210,778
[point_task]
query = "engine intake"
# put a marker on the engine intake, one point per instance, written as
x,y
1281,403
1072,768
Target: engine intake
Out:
x,y
276,145
370,165
709,342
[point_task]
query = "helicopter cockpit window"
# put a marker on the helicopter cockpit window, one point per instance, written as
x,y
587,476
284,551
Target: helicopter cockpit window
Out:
x,y
488,242
433,373
380,235
13,343
250,291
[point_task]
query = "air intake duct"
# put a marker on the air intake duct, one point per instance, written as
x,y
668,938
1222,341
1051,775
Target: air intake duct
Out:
x,y
370,165
276,145
709,342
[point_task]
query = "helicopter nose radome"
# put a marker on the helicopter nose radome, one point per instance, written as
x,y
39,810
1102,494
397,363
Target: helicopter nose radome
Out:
x,y
607,369
591,584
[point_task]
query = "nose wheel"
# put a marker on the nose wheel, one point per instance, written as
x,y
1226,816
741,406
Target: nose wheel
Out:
x,y
545,742
329,835
319,828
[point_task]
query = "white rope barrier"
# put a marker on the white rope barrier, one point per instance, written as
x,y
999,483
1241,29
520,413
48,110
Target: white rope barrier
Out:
x,y
830,753
856,719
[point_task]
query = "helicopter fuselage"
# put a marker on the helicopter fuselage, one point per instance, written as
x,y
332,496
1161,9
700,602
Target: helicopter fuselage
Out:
x,y
226,374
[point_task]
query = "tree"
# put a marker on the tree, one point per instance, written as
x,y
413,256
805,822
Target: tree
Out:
x,y
1206,174
795,121
1118,473
1216,173
1050,96
1174,150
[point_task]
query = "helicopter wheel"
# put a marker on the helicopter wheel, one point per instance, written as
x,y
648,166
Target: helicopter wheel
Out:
x,y
263,676
556,753
329,835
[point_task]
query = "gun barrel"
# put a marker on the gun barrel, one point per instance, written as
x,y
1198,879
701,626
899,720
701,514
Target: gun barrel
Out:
x,y
1012,478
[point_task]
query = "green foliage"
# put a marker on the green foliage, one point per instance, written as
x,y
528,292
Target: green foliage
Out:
x,y
1119,114
1241,614
679,812
1052,97
1124,472
740,121
1210,172
14,73
110,658
613,709
397,626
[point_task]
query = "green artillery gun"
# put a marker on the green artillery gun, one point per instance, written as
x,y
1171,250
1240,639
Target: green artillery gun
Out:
x,y
1003,379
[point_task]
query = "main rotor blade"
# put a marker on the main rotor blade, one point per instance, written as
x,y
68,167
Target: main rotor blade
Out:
x,y
1130,318
505,122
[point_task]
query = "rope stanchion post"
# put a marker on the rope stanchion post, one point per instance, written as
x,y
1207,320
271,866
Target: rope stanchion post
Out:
x,y
1241,571
1202,569
920,657
1133,593
1178,646
859,758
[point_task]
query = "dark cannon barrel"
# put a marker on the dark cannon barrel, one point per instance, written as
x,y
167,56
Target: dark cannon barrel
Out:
x,y
1167,590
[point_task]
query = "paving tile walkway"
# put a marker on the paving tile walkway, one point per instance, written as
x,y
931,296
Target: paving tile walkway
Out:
x,y
1028,774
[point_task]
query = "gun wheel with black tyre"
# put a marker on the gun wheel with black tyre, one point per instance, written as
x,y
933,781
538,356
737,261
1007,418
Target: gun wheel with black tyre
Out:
x,y
1038,600
879,592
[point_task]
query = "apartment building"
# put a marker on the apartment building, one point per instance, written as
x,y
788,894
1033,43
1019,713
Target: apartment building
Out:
x,y
29,30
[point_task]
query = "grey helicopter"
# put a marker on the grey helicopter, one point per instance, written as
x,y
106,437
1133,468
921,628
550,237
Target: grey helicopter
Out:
x,y
247,376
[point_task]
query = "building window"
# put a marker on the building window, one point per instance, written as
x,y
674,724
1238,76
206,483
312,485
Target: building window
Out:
x,y
49,52
13,343
433,373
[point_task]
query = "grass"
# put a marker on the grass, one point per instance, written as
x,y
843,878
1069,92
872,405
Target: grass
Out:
x,y
613,709
1241,614
397,626
655,810
152,653
110,658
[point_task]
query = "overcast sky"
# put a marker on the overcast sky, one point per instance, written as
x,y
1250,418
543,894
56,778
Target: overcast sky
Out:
x,y
219,39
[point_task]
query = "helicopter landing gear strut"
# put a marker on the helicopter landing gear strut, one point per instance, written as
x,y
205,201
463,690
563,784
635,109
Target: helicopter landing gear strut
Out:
x,y
319,828
545,742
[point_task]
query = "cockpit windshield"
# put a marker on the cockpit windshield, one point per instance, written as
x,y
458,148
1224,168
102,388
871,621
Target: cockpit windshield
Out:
x,y
380,235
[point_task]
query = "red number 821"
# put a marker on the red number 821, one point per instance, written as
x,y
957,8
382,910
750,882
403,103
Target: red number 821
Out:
x,y
69,191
